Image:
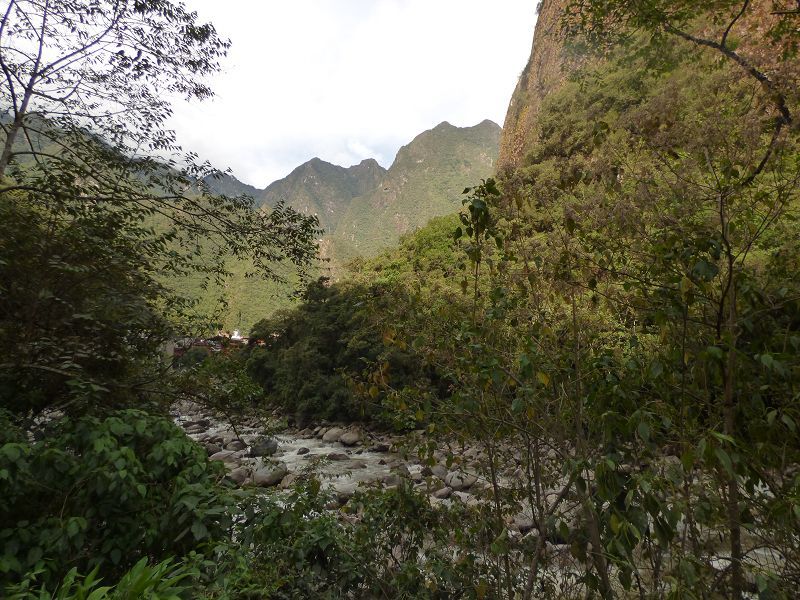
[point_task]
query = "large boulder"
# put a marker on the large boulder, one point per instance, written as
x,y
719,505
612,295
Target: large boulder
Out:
x,y
444,493
269,474
239,475
333,434
227,456
235,445
459,480
350,438
264,446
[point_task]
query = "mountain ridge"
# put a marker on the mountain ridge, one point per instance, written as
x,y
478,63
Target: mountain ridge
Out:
x,y
365,207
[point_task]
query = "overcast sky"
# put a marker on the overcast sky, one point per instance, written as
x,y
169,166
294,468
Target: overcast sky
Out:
x,y
346,80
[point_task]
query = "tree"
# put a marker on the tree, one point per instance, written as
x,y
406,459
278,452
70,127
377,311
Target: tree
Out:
x,y
107,207
727,171
89,87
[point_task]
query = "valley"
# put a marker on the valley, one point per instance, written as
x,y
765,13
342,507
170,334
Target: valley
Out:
x,y
559,359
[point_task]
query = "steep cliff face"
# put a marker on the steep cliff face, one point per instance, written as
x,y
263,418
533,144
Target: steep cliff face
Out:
x,y
546,69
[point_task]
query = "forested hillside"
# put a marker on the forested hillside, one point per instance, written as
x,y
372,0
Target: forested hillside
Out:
x,y
361,210
623,299
582,382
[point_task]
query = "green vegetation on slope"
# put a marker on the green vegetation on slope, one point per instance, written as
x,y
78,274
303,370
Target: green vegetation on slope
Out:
x,y
362,209
613,331
425,181
628,305
320,188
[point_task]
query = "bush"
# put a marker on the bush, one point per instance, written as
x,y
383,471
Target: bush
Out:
x,y
164,580
310,355
390,544
104,493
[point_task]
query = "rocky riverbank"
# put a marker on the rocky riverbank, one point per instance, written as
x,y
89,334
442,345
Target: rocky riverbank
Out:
x,y
343,457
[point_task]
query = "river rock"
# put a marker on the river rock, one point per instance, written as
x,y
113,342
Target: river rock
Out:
x,y
212,449
303,450
288,481
350,438
337,456
269,474
402,471
215,438
333,434
381,447
444,493
440,471
522,523
235,445
392,480
358,464
226,456
264,446
459,480
239,475
345,491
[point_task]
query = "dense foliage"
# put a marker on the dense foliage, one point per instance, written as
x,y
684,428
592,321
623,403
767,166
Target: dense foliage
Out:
x,y
613,328
306,359
628,327
104,493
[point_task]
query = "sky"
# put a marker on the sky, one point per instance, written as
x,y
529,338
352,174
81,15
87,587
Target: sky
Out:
x,y
346,80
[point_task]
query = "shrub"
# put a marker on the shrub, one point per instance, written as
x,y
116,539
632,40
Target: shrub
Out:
x,y
104,493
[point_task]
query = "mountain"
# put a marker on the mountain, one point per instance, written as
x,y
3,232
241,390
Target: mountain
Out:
x,y
227,185
362,209
318,187
426,180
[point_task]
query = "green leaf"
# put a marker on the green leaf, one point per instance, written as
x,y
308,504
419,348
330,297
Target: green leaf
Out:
x,y
199,530
725,461
789,422
723,437
616,524
705,270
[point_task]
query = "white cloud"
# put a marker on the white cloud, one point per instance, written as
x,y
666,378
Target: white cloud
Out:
x,y
350,79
